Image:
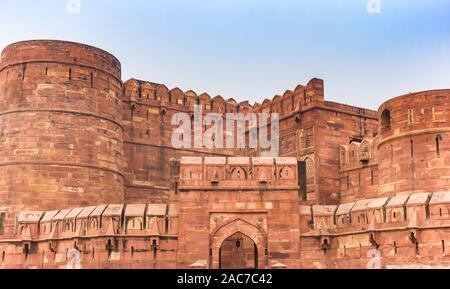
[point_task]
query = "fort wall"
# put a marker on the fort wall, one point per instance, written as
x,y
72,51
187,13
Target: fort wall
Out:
x,y
106,236
349,182
61,127
406,231
311,130
414,147
359,170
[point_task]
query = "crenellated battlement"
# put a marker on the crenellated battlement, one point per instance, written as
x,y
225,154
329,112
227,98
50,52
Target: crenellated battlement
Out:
x,y
348,179
152,220
403,231
402,211
158,95
105,236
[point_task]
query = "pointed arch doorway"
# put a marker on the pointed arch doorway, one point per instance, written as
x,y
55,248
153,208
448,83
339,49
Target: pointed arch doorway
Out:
x,y
238,245
238,252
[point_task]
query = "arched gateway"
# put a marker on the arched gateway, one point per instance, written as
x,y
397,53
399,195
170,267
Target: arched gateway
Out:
x,y
237,223
238,245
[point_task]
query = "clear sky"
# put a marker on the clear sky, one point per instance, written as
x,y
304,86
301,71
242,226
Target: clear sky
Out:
x,y
255,49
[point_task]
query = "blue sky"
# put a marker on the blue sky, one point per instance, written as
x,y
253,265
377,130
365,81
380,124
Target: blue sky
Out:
x,y
255,49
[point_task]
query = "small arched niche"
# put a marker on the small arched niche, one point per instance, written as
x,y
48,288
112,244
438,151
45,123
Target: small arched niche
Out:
x,y
385,121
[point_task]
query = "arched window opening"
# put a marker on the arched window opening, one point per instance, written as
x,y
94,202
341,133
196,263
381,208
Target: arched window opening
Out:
x,y
310,172
385,121
362,219
2,222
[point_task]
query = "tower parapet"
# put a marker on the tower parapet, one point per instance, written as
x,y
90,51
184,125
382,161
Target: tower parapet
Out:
x,y
414,146
61,127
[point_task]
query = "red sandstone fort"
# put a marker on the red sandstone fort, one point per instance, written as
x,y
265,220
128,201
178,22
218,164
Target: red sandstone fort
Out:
x,y
86,164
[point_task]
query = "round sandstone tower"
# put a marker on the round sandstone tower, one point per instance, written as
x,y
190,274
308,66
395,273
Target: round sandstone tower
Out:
x,y
415,143
61,134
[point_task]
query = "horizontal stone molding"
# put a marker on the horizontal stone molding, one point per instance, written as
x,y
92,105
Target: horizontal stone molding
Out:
x,y
332,109
61,164
232,188
369,231
130,185
73,64
347,170
414,133
90,237
129,142
74,112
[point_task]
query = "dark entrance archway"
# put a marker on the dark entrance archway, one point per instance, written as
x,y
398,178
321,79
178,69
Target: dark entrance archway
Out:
x,y
238,252
229,230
